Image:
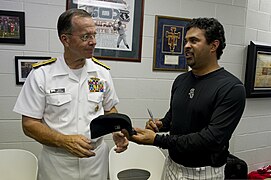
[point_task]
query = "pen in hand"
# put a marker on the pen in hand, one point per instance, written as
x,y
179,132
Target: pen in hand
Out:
x,y
151,115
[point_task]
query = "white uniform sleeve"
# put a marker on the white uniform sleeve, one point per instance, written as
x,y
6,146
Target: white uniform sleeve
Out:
x,y
31,100
110,98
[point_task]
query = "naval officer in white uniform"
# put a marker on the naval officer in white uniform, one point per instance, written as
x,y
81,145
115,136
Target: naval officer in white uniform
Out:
x,y
61,97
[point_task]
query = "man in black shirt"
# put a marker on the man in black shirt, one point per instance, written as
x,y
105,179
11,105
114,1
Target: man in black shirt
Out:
x,y
206,106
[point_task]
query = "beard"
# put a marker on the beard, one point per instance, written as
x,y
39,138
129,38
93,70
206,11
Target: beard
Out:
x,y
190,62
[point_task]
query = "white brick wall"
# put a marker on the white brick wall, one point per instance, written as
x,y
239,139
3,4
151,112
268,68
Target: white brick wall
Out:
x,y
137,85
251,137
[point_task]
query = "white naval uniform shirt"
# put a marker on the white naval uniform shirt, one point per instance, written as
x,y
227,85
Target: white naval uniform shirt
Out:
x,y
66,104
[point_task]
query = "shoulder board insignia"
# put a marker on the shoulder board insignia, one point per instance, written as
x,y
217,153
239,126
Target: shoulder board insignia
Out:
x,y
42,63
100,63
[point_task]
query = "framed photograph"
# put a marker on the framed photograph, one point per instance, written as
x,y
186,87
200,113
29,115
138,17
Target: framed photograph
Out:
x,y
23,66
119,26
168,54
258,70
12,27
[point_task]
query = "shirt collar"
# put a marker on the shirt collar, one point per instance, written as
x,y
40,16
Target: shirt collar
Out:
x,y
61,68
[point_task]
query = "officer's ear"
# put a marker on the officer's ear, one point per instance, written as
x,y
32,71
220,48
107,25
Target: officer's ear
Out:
x,y
64,38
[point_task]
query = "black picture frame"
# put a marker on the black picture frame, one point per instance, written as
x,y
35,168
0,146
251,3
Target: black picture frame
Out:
x,y
12,27
23,66
106,16
168,54
258,70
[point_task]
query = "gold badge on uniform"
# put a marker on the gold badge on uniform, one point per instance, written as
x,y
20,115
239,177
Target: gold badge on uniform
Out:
x,y
95,85
97,108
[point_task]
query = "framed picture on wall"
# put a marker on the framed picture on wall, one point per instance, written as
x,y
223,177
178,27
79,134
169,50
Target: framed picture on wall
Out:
x,y
168,54
258,70
119,26
23,66
12,27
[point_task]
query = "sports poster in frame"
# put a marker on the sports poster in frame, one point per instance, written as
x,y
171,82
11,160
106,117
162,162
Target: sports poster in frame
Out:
x,y
119,26
12,27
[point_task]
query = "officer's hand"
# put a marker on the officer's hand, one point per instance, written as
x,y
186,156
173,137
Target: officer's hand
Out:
x,y
121,142
78,145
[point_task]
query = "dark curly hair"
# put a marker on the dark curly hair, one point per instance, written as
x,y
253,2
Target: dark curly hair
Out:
x,y
213,31
64,24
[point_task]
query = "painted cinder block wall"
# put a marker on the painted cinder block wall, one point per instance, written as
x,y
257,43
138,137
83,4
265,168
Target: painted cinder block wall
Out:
x,y
139,87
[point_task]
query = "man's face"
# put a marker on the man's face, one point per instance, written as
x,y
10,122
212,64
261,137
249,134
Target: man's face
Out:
x,y
82,39
197,50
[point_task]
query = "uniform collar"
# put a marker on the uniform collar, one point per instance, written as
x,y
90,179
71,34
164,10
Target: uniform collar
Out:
x,y
61,68
91,66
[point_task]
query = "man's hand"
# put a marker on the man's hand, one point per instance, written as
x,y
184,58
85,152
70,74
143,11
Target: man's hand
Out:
x,y
121,142
143,136
154,125
77,145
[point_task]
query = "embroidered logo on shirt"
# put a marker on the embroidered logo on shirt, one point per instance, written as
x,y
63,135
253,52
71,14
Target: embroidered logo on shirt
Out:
x,y
95,85
60,90
191,93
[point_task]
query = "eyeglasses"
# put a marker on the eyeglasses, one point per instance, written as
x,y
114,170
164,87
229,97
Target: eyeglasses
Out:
x,y
84,37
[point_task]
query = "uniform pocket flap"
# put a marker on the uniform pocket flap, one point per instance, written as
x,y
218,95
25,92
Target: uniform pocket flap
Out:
x,y
58,99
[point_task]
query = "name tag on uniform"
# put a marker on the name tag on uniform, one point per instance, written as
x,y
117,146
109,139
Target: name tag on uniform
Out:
x,y
95,85
60,90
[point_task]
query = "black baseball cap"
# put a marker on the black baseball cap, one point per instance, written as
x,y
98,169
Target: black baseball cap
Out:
x,y
105,124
